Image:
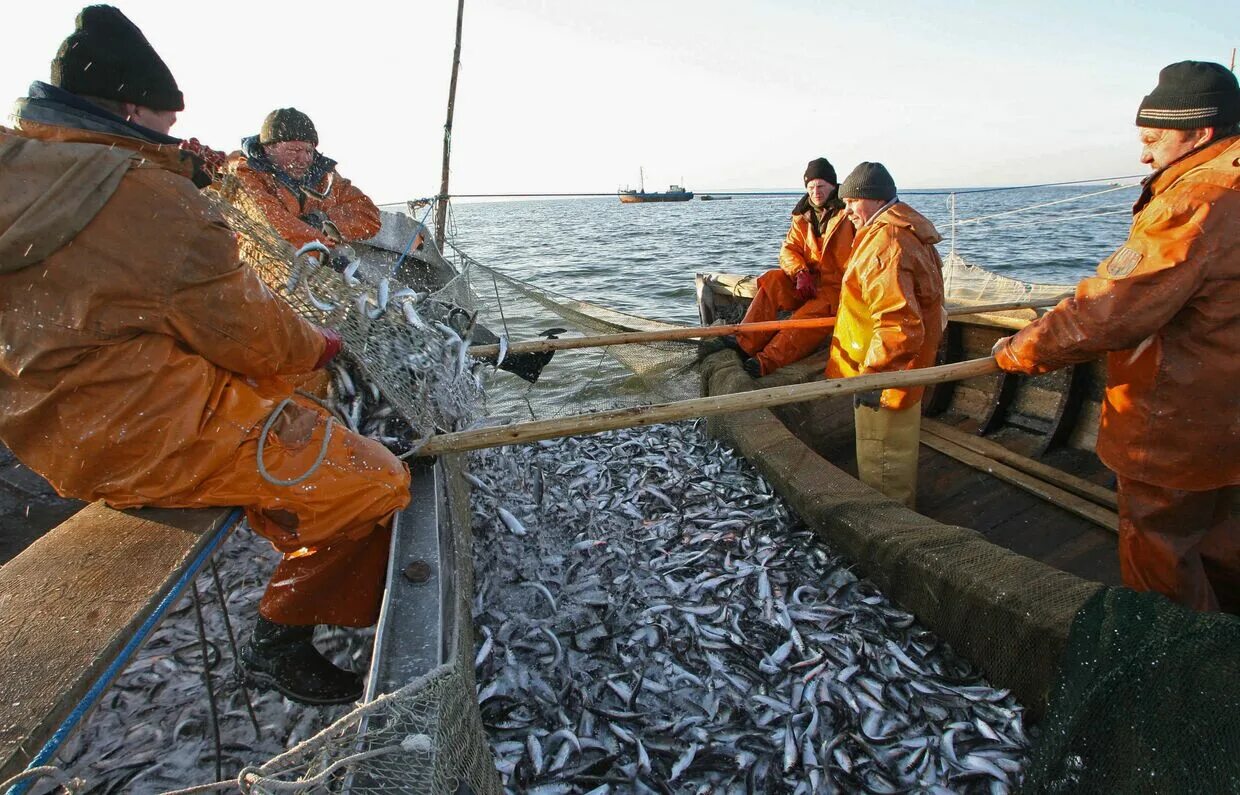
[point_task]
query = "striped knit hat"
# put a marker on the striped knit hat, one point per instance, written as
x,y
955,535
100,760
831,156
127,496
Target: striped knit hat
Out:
x,y
1191,95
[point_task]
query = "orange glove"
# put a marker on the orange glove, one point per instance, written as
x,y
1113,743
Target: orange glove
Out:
x,y
804,283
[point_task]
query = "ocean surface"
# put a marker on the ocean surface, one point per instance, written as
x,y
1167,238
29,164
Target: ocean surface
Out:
x,y
641,259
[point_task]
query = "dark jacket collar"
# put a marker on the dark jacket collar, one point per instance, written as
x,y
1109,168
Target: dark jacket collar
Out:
x,y
48,104
258,160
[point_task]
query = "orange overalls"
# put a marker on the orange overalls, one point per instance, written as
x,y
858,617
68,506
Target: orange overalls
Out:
x,y
825,256
1165,308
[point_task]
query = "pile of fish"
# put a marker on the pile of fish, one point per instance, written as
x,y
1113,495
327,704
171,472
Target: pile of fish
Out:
x,y
152,730
650,618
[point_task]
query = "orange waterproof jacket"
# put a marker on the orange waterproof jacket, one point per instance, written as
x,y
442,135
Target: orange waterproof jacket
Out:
x,y
136,349
824,254
1166,309
891,313
283,201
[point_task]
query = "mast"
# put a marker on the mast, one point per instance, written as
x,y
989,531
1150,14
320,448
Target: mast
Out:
x,y
441,212
641,178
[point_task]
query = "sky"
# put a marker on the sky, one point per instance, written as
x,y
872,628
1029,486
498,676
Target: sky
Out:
x,y
571,96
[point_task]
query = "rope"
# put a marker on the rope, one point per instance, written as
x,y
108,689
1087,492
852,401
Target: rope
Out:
x,y
71,785
1061,219
262,443
976,219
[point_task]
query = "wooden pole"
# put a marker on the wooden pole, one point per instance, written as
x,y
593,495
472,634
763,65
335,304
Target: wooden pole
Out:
x,y
696,332
1040,488
997,452
441,212
584,424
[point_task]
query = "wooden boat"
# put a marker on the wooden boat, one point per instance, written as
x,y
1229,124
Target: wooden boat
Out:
x,y
1015,524
674,193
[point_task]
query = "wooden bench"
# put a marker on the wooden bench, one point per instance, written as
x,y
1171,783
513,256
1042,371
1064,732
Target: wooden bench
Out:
x,y
77,603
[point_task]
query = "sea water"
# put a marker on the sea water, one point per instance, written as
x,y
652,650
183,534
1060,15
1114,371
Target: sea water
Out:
x,y
641,259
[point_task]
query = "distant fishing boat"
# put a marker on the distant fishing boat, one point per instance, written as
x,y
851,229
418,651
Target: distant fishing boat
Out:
x,y
708,198
674,193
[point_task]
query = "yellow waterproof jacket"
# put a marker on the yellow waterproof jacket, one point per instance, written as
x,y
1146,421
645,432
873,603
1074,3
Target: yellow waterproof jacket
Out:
x,y
825,254
1165,307
266,195
891,313
136,349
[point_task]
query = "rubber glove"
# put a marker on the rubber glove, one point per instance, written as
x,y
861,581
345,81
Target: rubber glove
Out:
x,y
332,343
804,282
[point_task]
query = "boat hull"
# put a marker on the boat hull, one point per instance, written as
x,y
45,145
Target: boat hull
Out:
x,y
996,570
644,198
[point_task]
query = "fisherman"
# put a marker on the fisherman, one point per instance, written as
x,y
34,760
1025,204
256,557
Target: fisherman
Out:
x,y
1165,307
807,281
296,188
891,318
141,359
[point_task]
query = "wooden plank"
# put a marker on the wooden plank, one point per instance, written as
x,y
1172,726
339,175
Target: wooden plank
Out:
x,y
71,601
993,450
638,416
1059,497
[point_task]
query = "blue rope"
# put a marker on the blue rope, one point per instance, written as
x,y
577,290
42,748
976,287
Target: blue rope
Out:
x,y
101,684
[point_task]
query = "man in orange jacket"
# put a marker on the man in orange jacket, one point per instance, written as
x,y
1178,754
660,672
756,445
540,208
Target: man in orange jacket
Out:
x,y
140,357
1165,308
807,281
290,183
891,318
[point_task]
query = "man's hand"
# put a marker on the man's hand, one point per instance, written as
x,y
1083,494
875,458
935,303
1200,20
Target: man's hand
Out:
x,y
1004,357
804,282
332,343
873,399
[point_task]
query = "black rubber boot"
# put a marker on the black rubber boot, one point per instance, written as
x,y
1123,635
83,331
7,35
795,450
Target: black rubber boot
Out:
x,y
753,367
284,658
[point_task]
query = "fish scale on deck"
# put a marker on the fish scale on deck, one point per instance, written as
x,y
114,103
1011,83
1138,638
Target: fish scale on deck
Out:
x,y
651,619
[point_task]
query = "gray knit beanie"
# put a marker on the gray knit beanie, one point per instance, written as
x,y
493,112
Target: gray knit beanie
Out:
x,y
869,181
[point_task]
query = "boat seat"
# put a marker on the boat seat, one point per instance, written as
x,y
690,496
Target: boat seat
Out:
x,y
75,604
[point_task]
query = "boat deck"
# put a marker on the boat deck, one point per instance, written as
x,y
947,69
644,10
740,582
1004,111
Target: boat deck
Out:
x,y
988,409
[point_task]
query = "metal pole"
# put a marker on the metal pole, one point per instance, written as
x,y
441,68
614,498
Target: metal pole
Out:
x,y
441,212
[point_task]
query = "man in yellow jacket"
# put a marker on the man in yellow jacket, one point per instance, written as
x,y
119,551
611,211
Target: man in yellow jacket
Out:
x,y
807,281
287,181
140,357
891,318
1165,308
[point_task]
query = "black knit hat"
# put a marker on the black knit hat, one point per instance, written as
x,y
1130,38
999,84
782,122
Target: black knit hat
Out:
x,y
1191,95
820,168
287,124
106,56
869,181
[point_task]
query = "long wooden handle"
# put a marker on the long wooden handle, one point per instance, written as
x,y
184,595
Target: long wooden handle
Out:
x,y
698,332
583,424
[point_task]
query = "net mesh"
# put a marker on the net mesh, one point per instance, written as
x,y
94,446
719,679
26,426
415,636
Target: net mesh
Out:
x,y
1146,701
406,318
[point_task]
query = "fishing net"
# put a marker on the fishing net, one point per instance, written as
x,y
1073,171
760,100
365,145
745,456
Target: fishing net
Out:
x,y
1146,701
405,314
